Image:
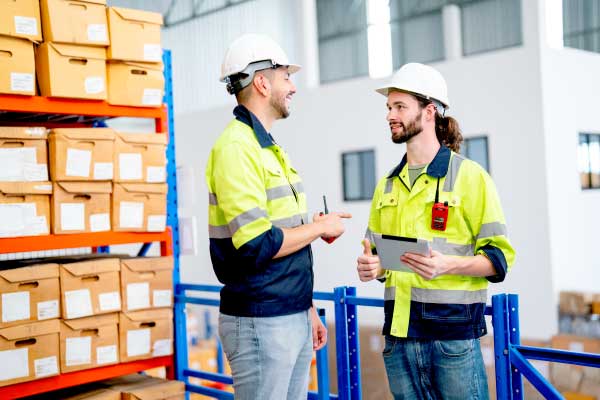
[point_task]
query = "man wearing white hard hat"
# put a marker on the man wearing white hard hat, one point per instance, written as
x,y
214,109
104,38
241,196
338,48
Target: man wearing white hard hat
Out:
x,y
260,233
434,301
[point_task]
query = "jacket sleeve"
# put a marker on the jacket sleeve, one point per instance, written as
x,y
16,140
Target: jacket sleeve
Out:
x,y
489,226
239,186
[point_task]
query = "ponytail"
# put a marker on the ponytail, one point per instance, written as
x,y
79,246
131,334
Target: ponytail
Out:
x,y
448,132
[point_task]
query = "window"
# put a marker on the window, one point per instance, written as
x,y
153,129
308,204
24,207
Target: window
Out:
x,y
589,160
581,24
358,169
476,149
343,49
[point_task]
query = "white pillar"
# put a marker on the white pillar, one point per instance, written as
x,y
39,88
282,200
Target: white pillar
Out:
x,y
309,43
452,32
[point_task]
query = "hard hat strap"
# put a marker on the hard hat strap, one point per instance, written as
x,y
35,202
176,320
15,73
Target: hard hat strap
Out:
x,y
237,82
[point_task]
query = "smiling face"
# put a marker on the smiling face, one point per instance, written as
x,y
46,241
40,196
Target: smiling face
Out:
x,y
404,116
282,90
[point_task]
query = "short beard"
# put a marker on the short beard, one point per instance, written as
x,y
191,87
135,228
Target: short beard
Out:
x,y
409,131
279,106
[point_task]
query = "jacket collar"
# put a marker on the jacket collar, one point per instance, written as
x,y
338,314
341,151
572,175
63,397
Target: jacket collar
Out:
x,y
437,168
246,116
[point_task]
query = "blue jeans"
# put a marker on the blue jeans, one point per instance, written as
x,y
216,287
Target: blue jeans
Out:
x,y
435,369
269,356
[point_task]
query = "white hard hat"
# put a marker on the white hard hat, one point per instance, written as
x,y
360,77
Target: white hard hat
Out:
x,y
421,80
246,51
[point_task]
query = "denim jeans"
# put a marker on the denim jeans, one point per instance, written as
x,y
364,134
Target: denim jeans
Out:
x,y
435,369
269,356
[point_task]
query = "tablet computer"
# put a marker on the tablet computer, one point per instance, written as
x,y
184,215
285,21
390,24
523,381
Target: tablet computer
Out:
x,y
390,248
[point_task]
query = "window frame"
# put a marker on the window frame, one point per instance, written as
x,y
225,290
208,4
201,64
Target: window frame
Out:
x,y
366,195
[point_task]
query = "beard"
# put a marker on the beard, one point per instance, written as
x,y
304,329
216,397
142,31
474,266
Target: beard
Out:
x,y
409,130
279,105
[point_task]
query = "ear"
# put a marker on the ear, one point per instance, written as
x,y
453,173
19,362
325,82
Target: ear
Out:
x,y
430,112
261,84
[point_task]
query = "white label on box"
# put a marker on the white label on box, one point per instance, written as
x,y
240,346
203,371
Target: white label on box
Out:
x,y
72,216
37,132
20,82
576,346
15,306
43,187
162,347
78,162
13,162
110,301
156,174
152,52
79,351
78,303
14,364
12,219
138,296
162,298
25,25
35,172
99,222
37,225
103,171
152,97
47,309
46,366
138,342
130,166
157,223
131,214
94,84
97,33
106,354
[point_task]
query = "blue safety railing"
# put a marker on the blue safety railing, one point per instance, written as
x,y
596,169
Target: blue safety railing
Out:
x,y
510,357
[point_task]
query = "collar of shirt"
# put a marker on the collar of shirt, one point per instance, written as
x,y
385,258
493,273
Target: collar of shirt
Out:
x,y
246,116
437,168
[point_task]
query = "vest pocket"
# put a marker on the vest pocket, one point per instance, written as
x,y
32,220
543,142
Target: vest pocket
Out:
x,y
446,312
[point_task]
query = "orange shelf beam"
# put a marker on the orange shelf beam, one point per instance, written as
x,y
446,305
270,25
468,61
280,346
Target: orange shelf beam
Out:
x,y
52,242
81,377
49,105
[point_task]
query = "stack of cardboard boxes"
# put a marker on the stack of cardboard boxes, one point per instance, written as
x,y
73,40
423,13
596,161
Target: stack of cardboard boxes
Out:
x,y
74,314
79,37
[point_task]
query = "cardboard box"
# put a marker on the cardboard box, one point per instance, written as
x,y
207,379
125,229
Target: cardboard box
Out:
x,y
577,396
134,35
29,294
146,282
140,387
567,377
89,342
135,84
21,18
140,207
79,207
24,208
575,303
596,304
75,21
81,154
72,71
146,334
29,352
94,394
140,158
90,287
23,154
17,68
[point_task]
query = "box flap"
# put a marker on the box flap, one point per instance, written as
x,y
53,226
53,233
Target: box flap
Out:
x,y
143,138
139,15
102,2
156,188
77,51
84,133
85,187
32,273
92,322
142,264
30,330
93,266
16,132
149,315
157,390
25,188
141,65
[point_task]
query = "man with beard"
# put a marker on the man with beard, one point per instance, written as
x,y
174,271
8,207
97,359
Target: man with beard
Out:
x,y
260,234
434,310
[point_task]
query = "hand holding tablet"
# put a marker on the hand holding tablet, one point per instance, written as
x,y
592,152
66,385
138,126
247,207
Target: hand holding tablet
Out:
x,y
391,248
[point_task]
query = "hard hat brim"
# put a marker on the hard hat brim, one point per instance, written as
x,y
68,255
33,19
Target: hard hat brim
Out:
x,y
385,90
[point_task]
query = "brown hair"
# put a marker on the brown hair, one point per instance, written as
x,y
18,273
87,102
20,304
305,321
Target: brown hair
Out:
x,y
446,128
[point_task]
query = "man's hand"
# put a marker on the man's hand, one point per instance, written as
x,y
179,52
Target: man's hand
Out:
x,y
368,265
319,332
331,224
429,267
